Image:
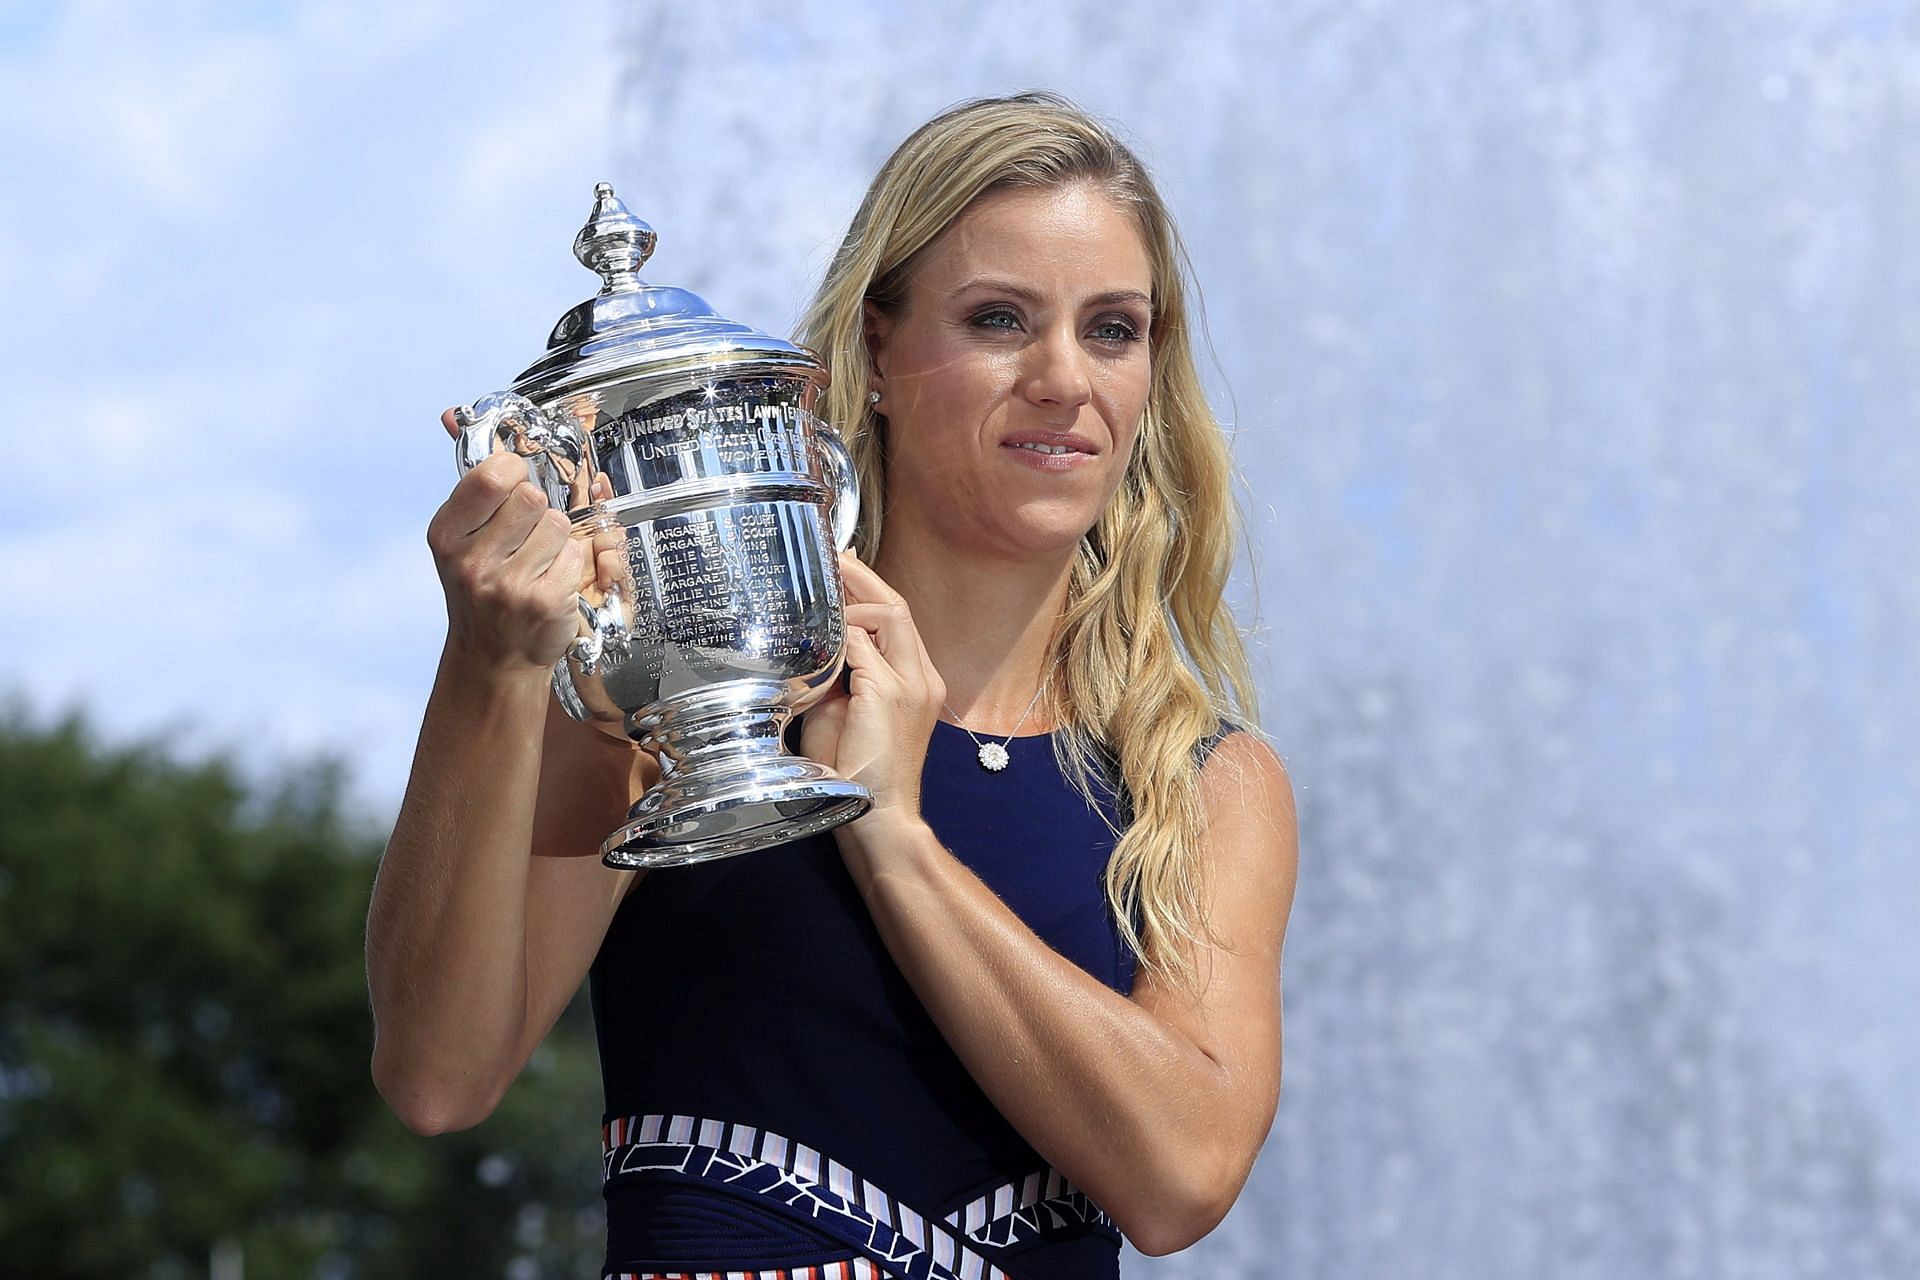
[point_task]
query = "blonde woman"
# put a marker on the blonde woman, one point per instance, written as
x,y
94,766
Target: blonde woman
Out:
x,y
1030,1002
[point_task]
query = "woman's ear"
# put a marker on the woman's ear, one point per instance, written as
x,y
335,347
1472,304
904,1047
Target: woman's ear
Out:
x,y
876,327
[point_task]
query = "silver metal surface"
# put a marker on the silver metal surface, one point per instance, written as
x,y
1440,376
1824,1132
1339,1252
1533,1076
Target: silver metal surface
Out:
x,y
560,464
555,450
731,499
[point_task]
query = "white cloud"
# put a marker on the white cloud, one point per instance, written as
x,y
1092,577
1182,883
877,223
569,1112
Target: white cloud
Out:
x,y
244,261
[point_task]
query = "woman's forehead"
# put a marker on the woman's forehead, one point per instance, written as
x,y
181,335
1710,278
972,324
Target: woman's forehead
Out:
x,y
1077,232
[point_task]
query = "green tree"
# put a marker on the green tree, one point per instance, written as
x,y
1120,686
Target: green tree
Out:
x,y
184,1043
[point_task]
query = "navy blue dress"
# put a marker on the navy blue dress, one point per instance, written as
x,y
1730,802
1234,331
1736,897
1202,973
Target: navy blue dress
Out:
x,y
777,1095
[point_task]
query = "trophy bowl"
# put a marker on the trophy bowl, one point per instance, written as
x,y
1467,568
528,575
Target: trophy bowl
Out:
x,y
731,498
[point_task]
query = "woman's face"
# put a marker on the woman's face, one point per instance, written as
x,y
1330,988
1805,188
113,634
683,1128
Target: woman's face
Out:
x,y
1014,379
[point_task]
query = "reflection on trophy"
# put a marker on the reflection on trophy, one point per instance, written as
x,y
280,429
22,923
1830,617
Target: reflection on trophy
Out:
x,y
732,499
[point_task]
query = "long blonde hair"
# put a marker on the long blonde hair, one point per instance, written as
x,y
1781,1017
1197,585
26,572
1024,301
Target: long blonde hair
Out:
x,y
1149,656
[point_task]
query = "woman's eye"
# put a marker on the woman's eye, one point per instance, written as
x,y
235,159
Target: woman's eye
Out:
x,y
997,320
1116,331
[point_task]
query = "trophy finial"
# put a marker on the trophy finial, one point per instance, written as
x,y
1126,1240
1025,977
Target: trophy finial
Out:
x,y
614,243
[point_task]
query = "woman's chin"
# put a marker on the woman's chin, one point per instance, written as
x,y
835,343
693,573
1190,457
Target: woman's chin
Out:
x,y
1040,531
1044,536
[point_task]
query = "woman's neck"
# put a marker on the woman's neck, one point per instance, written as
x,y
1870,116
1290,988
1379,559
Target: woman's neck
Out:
x,y
987,623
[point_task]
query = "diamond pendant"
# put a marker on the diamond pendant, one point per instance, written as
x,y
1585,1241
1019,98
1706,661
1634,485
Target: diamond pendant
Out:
x,y
993,757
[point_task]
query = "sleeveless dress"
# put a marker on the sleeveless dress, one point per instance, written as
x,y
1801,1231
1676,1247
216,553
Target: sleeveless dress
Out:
x,y
779,1102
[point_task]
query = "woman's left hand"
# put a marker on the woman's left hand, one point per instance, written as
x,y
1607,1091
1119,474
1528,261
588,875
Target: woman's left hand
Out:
x,y
876,732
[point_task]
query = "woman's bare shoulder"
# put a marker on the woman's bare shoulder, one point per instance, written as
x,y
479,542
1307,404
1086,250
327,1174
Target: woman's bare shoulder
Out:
x,y
1235,751
1247,798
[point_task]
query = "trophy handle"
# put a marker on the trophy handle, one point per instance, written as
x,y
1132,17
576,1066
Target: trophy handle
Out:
x,y
838,464
607,631
555,448
557,462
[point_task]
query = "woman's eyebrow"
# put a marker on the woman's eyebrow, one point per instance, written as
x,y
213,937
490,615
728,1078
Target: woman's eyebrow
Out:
x,y
996,284
1114,296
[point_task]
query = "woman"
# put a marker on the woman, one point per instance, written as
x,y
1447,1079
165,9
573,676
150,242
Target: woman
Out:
x,y
1031,1000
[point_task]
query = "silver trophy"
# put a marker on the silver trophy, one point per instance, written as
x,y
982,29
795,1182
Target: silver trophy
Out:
x,y
732,499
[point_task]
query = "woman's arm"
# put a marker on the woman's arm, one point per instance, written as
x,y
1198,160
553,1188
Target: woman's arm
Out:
x,y
1154,1105
474,945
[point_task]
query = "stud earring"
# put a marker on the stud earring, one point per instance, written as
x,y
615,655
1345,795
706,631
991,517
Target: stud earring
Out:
x,y
873,397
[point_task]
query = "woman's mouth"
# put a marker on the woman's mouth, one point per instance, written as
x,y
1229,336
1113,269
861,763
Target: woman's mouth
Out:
x,y
1050,455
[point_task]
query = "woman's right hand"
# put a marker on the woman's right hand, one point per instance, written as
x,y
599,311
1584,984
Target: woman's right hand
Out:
x,y
509,565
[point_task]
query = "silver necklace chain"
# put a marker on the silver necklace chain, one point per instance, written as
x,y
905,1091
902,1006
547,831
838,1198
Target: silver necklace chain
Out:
x,y
993,755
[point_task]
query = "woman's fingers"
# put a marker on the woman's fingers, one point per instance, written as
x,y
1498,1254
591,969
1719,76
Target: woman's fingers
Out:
x,y
480,495
868,665
820,730
864,585
509,564
524,511
870,672
877,608
865,658
880,728
891,627
543,546
609,566
609,538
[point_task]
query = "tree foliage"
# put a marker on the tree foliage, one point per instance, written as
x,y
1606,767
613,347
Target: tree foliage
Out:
x,y
185,1038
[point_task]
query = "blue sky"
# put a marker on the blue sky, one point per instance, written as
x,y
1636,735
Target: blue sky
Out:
x,y
252,251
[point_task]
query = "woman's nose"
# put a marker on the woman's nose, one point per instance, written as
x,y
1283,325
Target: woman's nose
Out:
x,y
1057,371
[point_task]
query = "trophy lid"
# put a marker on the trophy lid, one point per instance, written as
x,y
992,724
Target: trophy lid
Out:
x,y
631,327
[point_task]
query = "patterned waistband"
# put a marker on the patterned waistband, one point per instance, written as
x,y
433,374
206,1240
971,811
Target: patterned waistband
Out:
x,y
851,1269
906,1244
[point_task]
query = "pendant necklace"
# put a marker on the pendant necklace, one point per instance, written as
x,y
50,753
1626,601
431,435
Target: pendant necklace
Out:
x,y
993,755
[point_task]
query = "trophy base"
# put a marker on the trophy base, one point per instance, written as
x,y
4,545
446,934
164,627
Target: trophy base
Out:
x,y
728,786
705,819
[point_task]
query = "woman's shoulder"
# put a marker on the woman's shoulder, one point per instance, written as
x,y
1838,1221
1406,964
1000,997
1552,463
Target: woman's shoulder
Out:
x,y
1229,749
1232,744
1238,767
1209,743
